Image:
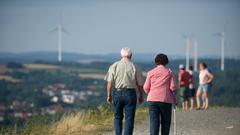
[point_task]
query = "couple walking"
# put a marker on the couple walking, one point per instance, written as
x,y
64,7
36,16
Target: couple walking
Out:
x,y
124,79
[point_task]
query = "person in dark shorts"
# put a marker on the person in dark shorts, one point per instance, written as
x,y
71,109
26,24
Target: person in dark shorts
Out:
x,y
184,81
192,89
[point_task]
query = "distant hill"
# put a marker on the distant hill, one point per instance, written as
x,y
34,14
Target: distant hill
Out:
x,y
47,56
74,57
79,57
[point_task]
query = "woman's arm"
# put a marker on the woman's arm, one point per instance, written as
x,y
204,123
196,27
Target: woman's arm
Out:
x,y
147,84
173,84
173,87
210,77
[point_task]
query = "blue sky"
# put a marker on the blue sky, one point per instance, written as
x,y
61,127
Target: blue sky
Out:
x,y
104,26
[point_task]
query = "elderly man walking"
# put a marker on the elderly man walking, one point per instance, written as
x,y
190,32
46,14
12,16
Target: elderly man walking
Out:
x,y
125,78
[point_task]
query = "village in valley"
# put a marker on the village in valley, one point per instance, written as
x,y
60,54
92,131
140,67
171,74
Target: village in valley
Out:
x,y
23,96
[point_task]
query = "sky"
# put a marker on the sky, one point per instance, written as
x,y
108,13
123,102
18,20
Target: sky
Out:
x,y
105,26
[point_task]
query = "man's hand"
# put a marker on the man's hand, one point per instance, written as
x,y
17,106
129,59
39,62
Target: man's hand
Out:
x,y
109,99
109,95
141,92
140,99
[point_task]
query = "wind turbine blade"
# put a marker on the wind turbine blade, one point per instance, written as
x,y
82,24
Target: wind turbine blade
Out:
x,y
225,25
65,31
216,34
184,35
52,31
61,18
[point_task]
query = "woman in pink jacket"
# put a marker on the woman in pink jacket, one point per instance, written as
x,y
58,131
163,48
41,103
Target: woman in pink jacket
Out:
x,y
160,85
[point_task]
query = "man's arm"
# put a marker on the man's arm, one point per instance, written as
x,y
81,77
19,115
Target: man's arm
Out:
x,y
109,92
141,94
140,83
109,78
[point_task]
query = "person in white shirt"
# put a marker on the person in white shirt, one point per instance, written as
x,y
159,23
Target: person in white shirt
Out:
x,y
205,77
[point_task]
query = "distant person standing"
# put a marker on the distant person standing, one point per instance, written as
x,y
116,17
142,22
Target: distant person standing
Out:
x,y
205,78
125,78
209,88
192,90
160,86
184,81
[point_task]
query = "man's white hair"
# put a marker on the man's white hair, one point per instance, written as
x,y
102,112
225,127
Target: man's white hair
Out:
x,y
126,52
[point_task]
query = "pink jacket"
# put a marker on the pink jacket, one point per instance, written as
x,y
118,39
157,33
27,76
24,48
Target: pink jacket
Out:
x,y
160,85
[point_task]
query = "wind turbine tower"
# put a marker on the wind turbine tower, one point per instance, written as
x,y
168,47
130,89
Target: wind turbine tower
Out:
x,y
195,55
59,30
60,42
187,52
222,51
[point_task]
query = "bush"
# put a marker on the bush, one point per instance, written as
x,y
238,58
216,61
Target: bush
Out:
x,y
14,65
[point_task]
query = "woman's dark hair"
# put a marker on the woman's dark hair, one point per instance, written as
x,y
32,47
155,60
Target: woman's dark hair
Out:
x,y
191,67
204,65
161,59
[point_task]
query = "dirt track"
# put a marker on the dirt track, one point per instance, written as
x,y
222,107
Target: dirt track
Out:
x,y
215,121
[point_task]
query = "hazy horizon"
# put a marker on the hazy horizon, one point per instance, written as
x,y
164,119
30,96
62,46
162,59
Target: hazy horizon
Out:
x,y
104,26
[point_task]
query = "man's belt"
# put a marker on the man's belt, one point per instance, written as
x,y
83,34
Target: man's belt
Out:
x,y
124,89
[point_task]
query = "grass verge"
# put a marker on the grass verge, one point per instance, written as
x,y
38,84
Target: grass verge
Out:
x,y
86,122
90,122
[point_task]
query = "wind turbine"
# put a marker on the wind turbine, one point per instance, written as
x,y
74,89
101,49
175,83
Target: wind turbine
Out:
x,y
195,55
222,42
222,50
188,41
59,29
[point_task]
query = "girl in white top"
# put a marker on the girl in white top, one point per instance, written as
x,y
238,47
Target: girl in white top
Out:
x,y
205,77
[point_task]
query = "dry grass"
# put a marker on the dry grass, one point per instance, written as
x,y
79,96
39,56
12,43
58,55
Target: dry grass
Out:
x,y
41,66
93,76
87,122
84,123
90,122
9,78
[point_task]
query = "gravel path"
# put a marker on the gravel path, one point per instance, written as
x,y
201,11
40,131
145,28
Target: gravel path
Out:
x,y
215,121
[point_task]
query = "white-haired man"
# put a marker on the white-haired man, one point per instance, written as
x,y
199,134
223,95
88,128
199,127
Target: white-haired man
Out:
x,y
125,78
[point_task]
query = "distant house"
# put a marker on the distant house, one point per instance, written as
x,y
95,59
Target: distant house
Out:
x,y
57,86
68,99
21,105
55,99
23,115
48,92
90,93
53,109
2,107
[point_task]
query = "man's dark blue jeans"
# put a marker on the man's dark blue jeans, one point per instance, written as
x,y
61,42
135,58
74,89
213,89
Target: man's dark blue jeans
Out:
x,y
124,100
160,114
